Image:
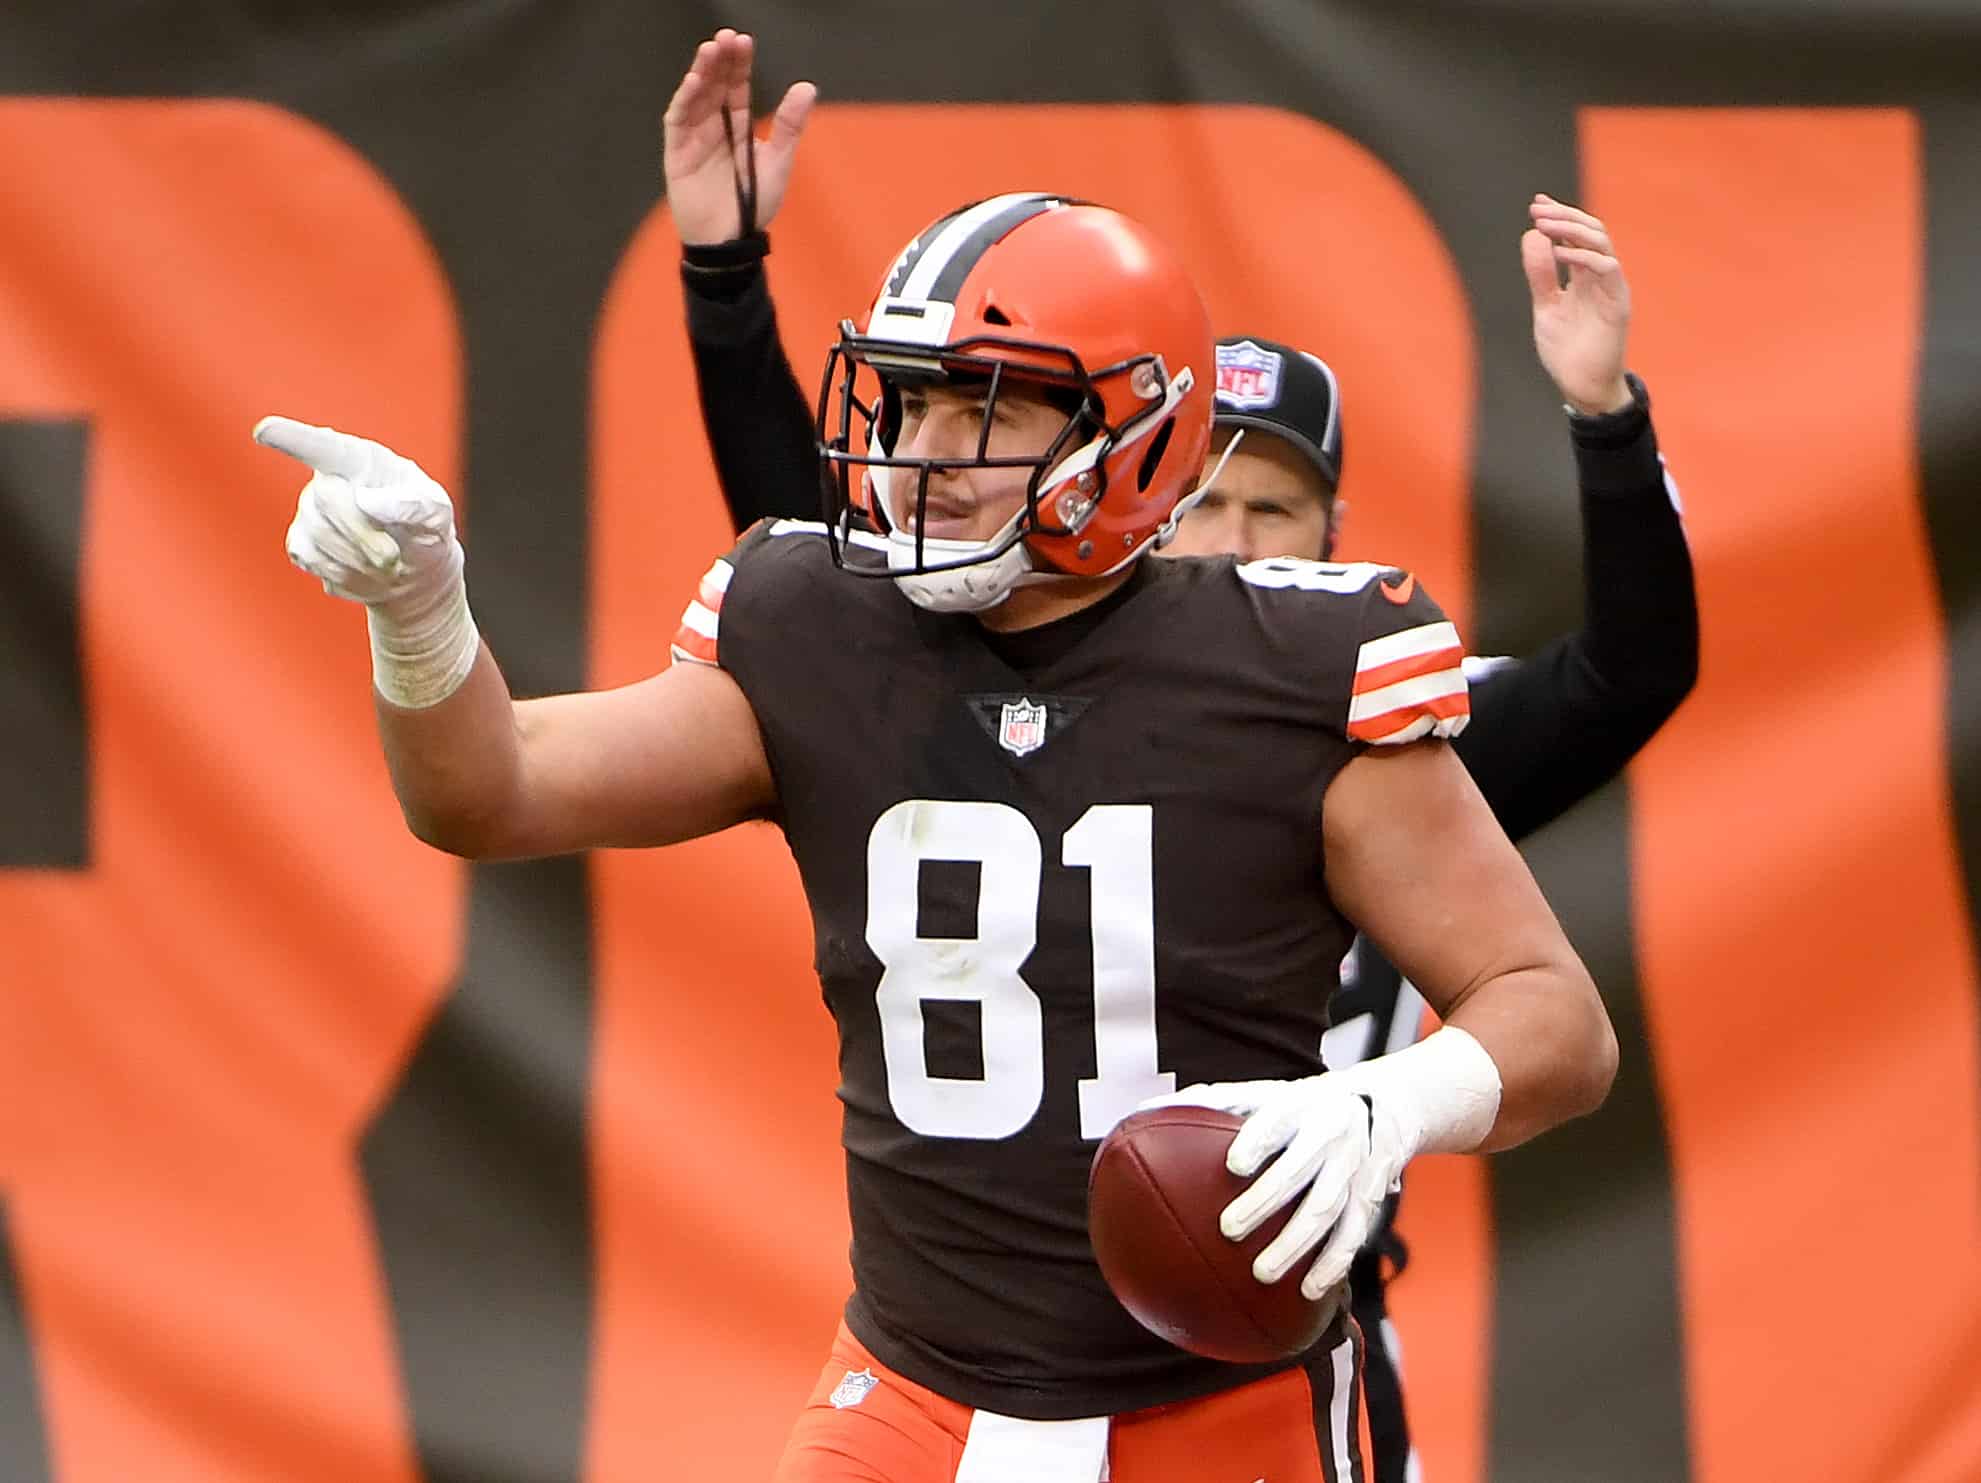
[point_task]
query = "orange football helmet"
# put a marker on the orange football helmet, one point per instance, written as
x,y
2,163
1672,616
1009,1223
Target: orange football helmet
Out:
x,y
1059,297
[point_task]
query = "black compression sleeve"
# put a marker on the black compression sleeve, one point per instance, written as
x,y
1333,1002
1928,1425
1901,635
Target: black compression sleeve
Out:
x,y
1549,729
759,422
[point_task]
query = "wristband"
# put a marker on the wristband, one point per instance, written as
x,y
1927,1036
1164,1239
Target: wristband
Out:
x,y
1443,1092
725,257
421,656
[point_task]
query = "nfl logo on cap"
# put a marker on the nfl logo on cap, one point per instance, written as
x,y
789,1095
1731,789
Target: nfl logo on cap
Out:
x,y
1247,375
1021,727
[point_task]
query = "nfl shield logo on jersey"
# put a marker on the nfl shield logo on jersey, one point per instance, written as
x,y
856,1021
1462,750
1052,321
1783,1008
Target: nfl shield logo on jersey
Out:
x,y
1021,727
1247,375
853,1389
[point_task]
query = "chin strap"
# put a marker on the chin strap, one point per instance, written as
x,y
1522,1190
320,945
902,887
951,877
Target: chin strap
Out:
x,y
1166,532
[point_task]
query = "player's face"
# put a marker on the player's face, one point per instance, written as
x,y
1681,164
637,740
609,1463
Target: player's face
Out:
x,y
1269,501
945,422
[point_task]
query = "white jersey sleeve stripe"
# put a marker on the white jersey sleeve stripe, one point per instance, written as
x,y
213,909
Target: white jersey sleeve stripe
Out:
x,y
1425,639
1407,693
683,656
701,620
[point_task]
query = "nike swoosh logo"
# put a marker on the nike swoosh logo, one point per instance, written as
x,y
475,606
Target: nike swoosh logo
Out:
x,y
1401,594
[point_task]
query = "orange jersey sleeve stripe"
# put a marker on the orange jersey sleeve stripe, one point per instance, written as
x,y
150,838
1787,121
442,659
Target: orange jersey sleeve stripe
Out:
x,y
691,645
1376,677
1440,710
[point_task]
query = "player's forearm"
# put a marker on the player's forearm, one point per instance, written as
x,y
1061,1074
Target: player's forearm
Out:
x,y
457,766
1547,1032
1415,860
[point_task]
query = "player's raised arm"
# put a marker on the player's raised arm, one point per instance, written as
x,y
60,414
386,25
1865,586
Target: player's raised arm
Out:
x,y
476,773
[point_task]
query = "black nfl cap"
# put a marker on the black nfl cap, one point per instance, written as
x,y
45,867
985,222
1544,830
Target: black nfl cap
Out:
x,y
1286,392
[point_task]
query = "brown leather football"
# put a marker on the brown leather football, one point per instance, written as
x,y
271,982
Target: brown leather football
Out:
x,y
1154,1193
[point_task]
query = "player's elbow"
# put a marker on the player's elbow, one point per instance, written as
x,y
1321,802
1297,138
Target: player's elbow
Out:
x,y
448,834
1593,1061
471,834
477,812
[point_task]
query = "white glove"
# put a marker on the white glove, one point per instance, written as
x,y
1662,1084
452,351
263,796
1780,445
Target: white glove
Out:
x,y
374,528
1346,1153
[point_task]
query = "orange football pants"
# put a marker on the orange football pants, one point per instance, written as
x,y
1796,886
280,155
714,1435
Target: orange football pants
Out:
x,y
1303,1425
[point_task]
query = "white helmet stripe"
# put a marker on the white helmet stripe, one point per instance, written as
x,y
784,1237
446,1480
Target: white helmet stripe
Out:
x,y
956,235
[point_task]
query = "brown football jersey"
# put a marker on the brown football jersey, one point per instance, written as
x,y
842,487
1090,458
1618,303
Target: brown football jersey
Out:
x,y
1050,878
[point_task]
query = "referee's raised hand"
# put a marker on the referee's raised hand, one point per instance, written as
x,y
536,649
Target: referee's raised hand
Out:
x,y
721,182
1580,325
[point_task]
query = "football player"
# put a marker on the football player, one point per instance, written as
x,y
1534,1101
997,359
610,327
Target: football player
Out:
x,y
1547,729
1076,828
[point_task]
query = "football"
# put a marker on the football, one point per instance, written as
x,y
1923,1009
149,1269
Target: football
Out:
x,y
1154,1193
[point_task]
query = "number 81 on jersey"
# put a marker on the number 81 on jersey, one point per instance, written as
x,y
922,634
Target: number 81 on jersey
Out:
x,y
1114,841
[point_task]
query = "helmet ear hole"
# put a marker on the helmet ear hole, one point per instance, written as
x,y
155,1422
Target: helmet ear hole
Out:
x,y
1158,445
995,315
